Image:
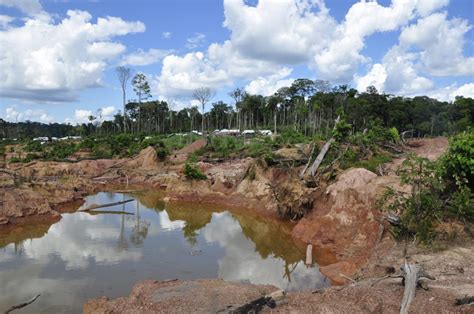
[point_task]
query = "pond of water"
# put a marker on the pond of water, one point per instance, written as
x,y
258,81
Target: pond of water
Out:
x,y
85,256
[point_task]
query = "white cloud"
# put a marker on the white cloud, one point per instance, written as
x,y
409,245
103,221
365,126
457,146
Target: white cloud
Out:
x,y
29,7
166,35
45,61
267,86
441,42
432,46
284,31
268,37
108,111
101,114
82,115
196,41
449,93
376,77
5,20
141,57
181,75
40,115
341,59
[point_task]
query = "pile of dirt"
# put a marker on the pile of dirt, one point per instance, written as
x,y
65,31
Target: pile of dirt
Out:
x,y
22,203
199,296
146,159
181,155
346,221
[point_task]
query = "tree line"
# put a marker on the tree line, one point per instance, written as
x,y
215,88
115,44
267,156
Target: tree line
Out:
x,y
306,106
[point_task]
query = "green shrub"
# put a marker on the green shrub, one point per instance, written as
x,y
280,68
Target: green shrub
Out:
x,y
291,136
33,146
192,172
458,162
161,151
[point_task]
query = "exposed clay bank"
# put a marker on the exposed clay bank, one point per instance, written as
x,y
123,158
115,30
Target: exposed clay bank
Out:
x,y
85,256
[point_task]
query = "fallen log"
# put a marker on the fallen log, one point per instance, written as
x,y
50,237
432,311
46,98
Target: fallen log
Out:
x,y
105,205
317,162
412,274
98,212
19,306
319,159
309,162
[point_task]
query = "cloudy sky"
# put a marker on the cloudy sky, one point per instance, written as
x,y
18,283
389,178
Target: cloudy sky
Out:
x,y
57,57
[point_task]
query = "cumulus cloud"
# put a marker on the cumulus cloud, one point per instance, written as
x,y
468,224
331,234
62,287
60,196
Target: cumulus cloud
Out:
x,y
166,35
449,93
269,37
142,58
267,86
40,115
48,61
432,46
196,41
441,43
102,114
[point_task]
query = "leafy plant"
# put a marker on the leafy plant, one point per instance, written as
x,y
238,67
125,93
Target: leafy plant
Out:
x,y
192,172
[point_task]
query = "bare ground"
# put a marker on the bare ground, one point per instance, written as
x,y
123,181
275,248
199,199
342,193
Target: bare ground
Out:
x,y
345,212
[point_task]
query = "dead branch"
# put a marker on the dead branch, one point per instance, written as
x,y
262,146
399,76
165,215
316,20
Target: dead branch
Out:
x,y
10,173
385,277
465,300
97,212
105,205
271,300
319,159
309,162
347,277
19,306
412,273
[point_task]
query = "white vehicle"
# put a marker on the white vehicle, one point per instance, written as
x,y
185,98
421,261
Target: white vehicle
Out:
x,y
266,132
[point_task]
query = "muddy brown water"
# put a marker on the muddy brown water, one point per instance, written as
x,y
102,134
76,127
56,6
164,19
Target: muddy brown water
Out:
x,y
85,256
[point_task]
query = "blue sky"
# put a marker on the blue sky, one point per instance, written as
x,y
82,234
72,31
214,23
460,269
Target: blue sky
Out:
x,y
58,58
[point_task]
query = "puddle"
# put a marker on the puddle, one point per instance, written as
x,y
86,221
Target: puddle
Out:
x,y
85,256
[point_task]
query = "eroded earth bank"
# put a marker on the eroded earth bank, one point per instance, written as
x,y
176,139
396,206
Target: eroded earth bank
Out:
x,y
339,216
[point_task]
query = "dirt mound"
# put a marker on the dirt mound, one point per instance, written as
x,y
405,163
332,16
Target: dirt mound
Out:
x,y
431,148
343,219
182,154
21,203
146,159
199,296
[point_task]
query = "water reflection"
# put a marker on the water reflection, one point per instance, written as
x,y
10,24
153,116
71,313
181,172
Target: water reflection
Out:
x,y
85,255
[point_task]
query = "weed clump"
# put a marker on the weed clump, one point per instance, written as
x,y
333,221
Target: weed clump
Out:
x,y
192,172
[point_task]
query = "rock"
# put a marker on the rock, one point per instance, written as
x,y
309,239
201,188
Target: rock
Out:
x,y
334,271
198,296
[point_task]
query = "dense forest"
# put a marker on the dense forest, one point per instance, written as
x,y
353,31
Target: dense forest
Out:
x,y
309,107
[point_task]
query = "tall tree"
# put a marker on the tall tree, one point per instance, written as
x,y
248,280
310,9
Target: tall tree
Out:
x,y
141,87
124,74
203,95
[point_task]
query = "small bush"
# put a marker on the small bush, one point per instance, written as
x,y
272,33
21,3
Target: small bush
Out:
x,y
192,172
33,146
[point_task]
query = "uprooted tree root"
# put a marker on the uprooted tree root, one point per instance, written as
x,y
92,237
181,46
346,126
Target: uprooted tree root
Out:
x,y
412,275
289,204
